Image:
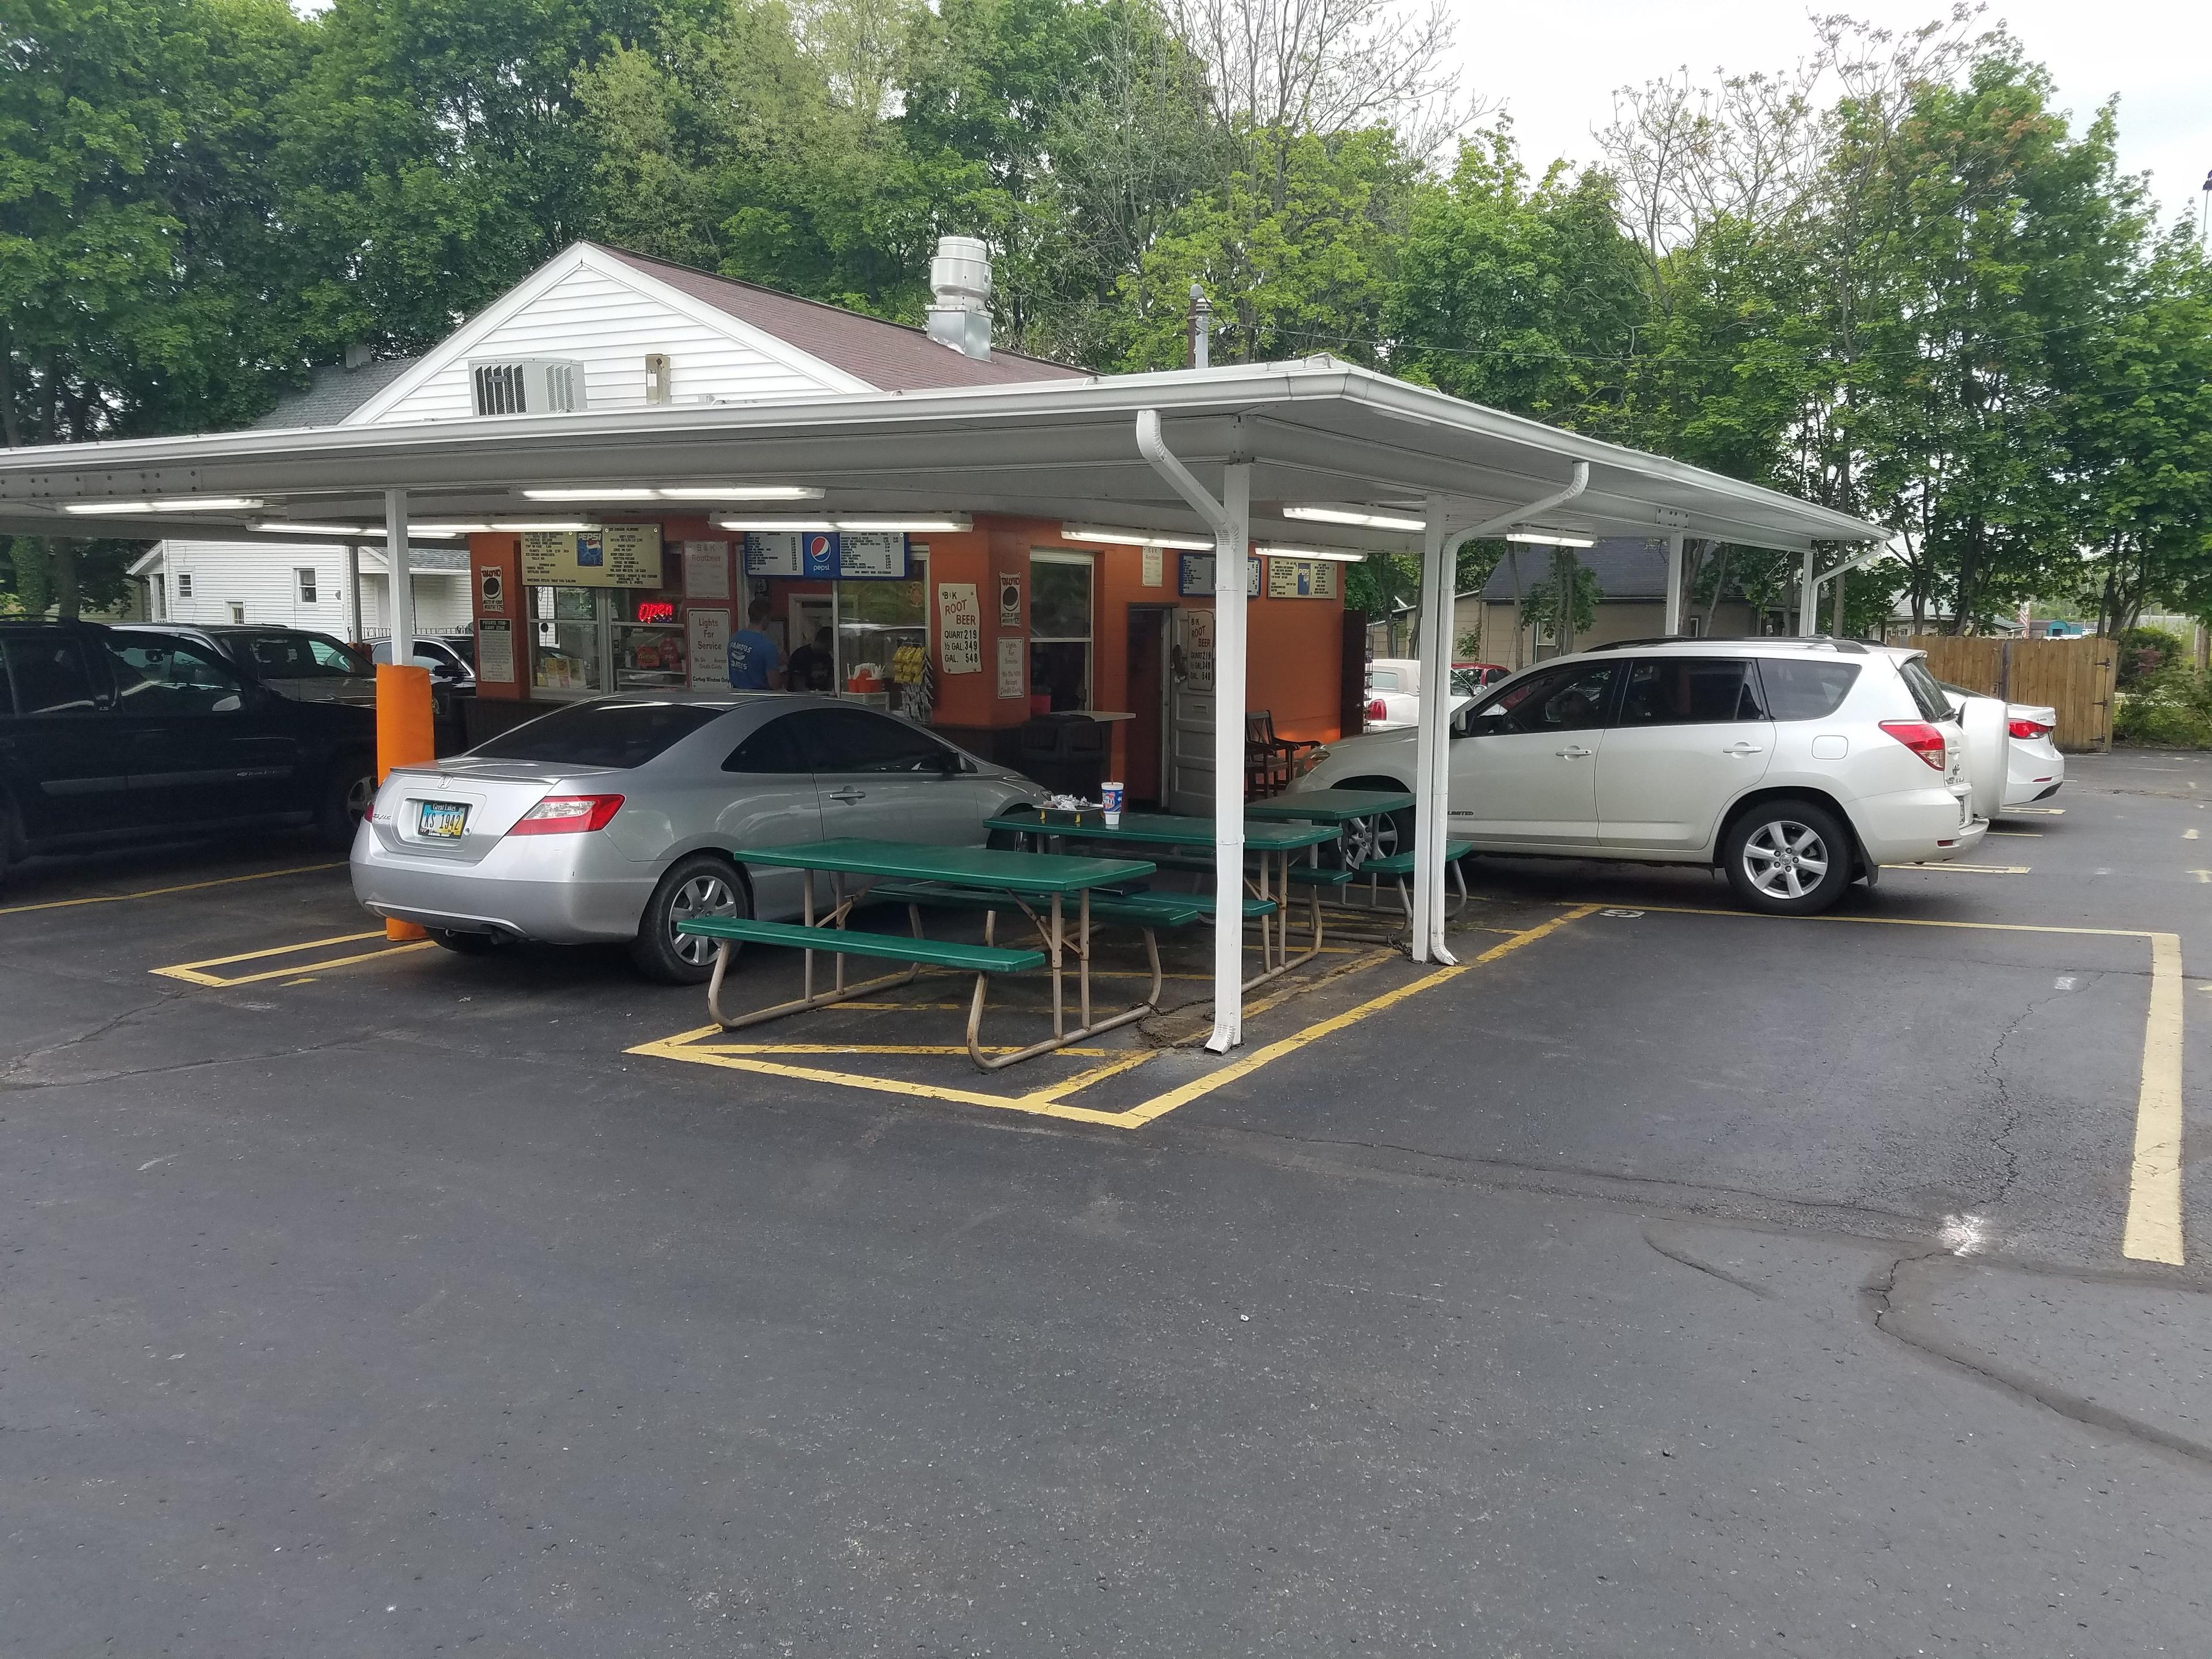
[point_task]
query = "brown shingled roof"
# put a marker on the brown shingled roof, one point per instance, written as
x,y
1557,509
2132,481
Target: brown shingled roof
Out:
x,y
887,355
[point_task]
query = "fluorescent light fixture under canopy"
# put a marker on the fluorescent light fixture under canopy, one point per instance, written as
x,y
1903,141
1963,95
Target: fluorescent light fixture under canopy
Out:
x,y
280,527
734,492
1371,519
1121,537
1550,538
918,524
175,504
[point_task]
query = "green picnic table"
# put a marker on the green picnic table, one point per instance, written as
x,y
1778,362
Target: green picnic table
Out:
x,y
928,875
1363,806
1275,844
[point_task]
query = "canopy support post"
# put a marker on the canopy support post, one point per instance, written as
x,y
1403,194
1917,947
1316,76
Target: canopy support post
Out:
x,y
1231,520
354,633
1673,625
400,578
1433,749
1808,597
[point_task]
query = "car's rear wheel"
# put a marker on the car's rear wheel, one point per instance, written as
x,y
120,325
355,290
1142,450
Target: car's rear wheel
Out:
x,y
347,796
698,885
1788,858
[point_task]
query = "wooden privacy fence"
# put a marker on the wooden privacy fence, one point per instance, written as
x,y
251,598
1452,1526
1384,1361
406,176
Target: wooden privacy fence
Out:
x,y
2074,677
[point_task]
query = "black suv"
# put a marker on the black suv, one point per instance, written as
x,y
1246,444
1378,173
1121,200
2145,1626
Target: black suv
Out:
x,y
108,735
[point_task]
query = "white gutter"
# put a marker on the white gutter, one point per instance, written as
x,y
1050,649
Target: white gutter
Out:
x,y
1231,520
1432,747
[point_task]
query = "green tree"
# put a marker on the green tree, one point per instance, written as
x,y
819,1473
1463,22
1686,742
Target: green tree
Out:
x,y
1309,271
1524,298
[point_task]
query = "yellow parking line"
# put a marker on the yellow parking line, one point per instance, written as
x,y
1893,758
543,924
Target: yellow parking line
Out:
x,y
195,973
1968,869
1051,1101
868,1048
2153,1225
163,892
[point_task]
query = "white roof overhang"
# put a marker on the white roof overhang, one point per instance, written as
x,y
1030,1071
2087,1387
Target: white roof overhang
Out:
x,y
1316,431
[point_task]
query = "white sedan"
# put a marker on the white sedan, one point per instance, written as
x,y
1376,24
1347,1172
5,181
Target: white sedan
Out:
x,y
2009,754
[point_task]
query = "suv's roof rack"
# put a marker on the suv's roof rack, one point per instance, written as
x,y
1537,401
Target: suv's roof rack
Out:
x,y
1850,646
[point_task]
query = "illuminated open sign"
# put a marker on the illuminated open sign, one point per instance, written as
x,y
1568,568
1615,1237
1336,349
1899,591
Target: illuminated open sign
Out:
x,y
655,610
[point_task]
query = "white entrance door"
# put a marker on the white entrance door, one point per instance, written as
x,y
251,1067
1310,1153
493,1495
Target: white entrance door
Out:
x,y
1690,738
1524,765
1190,724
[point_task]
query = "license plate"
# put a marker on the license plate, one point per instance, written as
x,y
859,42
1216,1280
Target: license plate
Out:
x,y
441,820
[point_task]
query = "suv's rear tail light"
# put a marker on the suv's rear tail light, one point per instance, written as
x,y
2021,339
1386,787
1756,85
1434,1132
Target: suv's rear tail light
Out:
x,y
2029,729
1921,738
568,815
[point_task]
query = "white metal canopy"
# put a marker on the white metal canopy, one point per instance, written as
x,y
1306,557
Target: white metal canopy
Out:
x,y
1225,451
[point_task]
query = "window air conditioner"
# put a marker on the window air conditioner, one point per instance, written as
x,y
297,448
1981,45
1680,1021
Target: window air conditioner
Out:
x,y
528,386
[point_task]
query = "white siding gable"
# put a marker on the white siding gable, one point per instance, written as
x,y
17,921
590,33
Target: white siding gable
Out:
x,y
597,311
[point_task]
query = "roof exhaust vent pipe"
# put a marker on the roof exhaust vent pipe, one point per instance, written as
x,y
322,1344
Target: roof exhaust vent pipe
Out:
x,y
960,296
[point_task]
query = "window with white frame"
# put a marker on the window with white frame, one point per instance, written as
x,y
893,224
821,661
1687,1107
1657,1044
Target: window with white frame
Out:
x,y
306,574
1059,630
183,584
237,612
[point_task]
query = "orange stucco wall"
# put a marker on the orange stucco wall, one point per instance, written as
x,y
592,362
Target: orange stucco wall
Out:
x,y
1295,646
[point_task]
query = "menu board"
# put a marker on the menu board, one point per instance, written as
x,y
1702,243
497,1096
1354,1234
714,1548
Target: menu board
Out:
x,y
774,553
1301,579
1195,576
609,556
852,555
871,556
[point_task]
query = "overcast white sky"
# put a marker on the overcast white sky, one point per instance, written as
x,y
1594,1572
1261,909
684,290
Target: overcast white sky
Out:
x,y
1557,63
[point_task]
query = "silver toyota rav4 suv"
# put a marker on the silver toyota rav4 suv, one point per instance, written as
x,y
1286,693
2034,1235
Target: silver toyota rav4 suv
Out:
x,y
1796,766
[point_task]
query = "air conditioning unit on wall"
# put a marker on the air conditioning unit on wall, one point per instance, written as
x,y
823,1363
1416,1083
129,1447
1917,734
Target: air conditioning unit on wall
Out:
x,y
528,386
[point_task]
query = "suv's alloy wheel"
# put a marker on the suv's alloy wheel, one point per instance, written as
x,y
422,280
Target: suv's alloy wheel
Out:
x,y
1788,858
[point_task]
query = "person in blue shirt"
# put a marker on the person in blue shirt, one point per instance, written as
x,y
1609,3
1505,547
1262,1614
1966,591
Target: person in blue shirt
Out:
x,y
755,663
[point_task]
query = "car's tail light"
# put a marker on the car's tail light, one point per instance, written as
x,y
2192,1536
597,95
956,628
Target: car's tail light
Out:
x,y
2030,729
1376,711
568,815
1922,738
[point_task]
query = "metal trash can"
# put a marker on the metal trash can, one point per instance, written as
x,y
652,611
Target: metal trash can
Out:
x,y
1066,753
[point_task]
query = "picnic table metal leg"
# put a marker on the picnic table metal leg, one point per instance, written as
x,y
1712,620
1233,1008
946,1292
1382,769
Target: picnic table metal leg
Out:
x,y
1059,1007
1082,952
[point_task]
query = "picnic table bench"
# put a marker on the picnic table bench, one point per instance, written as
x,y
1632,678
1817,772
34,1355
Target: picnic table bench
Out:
x,y
1273,845
928,875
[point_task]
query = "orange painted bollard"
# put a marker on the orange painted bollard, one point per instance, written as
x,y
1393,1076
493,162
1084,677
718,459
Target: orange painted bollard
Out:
x,y
404,738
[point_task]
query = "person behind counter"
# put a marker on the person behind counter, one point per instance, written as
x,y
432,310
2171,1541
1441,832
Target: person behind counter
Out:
x,y
813,668
755,663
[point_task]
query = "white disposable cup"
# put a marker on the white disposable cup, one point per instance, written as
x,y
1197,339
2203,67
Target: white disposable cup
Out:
x,y
1110,795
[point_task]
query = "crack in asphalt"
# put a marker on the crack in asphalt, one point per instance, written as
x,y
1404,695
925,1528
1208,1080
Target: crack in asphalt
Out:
x,y
1899,1311
22,1061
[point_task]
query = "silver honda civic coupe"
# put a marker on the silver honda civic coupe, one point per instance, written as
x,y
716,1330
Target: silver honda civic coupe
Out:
x,y
613,820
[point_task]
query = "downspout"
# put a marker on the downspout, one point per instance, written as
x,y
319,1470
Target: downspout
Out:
x,y
1432,747
1231,520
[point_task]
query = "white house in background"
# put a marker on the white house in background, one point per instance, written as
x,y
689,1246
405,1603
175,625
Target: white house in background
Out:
x,y
294,585
593,327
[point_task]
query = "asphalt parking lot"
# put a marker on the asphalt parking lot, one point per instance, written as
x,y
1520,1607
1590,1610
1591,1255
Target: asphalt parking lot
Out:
x,y
1661,1280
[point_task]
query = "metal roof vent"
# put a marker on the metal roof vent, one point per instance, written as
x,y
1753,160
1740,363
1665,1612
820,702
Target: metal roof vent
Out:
x,y
528,386
960,296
